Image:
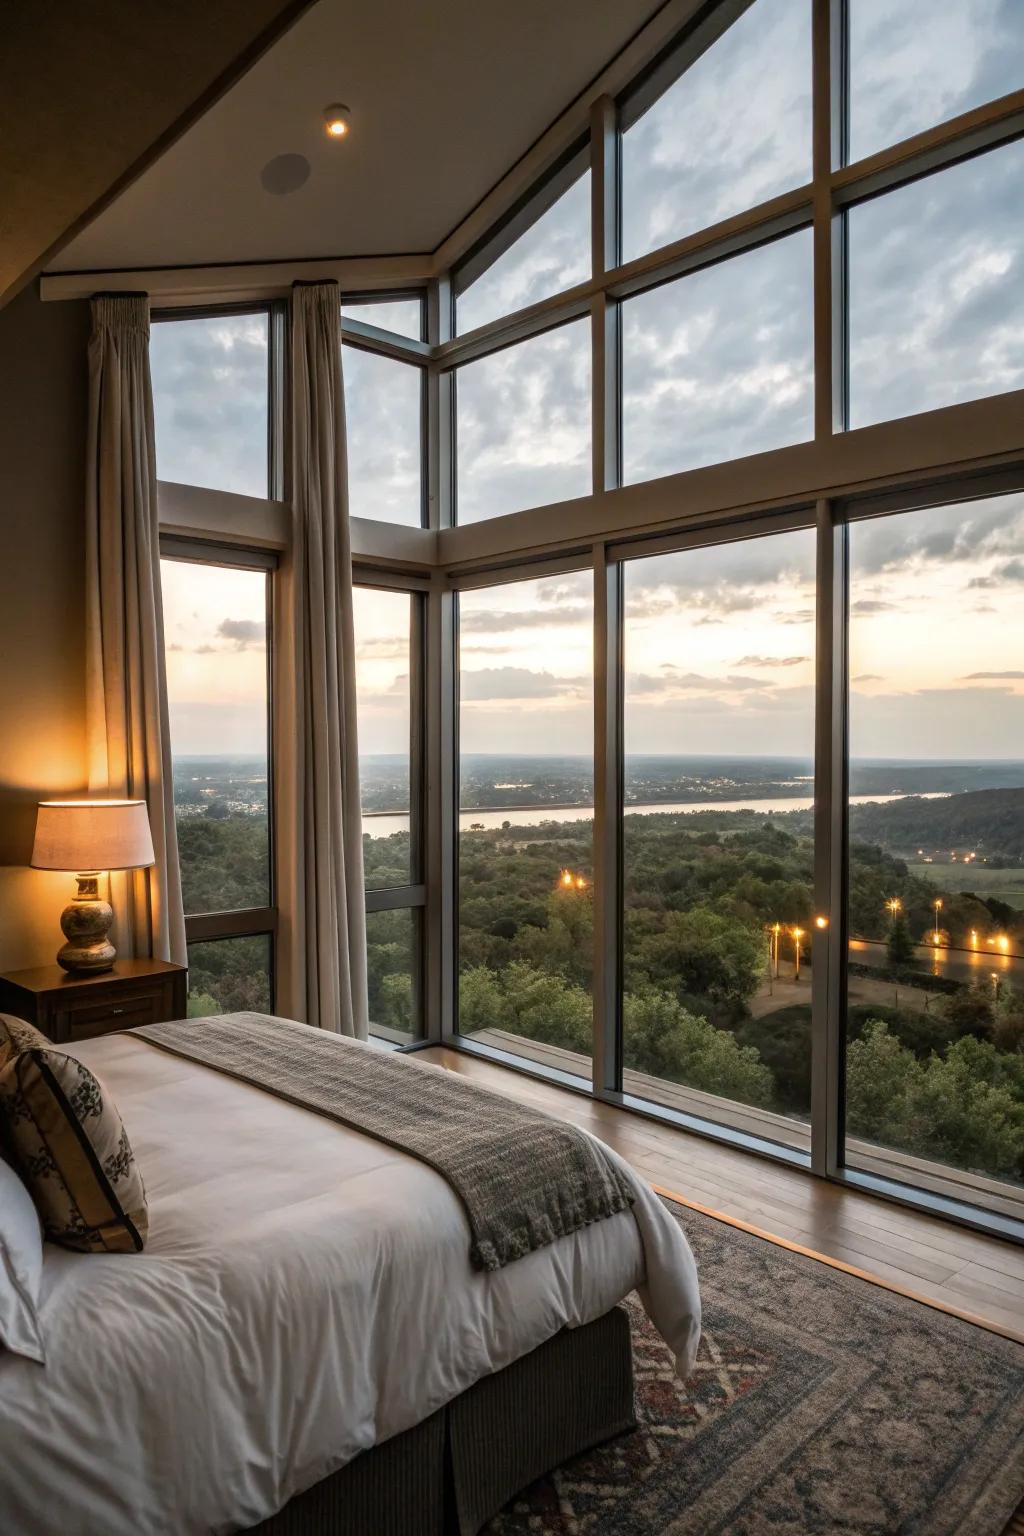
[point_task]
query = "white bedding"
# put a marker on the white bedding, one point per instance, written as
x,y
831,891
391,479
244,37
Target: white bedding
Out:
x,y
305,1292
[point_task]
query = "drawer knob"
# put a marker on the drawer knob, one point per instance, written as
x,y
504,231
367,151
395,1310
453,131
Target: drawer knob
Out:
x,y
117,1012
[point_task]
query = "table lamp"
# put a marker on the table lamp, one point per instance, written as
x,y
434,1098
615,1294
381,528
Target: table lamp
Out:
x,y
88,837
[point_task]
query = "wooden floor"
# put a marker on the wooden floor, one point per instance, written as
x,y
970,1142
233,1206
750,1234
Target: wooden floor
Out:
x,y
964,1272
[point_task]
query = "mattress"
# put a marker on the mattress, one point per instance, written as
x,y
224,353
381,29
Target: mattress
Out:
x,y
305,1293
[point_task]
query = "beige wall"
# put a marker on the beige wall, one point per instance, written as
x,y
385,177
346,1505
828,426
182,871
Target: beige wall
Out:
x,y
42,728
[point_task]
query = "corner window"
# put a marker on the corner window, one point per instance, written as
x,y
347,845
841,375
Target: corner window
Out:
x,y
936,274
914,64
210,401
217,640
388,634
733,130
523,420
553,254
720,363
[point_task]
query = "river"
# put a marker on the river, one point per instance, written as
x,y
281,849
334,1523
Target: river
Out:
x,y
383,824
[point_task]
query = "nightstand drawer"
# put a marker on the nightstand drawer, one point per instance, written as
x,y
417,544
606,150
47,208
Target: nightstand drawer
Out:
x,y
119,1013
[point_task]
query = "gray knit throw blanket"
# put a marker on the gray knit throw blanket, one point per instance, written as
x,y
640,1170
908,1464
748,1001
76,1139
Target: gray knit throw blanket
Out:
x,y
523,1178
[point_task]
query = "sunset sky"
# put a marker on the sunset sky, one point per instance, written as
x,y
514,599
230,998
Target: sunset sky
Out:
x,y
719,642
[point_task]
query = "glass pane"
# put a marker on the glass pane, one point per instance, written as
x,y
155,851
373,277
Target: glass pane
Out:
x,y
383,415
733,131
230,976
553,254
383,631
720,363
392,949
718,842
914,64
526,782
210,388
936,297
404,316
215,631
524,425
935,980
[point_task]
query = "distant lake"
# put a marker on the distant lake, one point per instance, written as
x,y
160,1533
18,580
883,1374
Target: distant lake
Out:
x,y
383,824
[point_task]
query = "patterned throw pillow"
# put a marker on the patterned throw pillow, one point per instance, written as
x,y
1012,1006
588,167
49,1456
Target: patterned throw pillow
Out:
x,y
17,1035
63,1134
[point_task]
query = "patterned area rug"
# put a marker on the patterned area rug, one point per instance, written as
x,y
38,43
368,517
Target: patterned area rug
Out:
x,y
819,1403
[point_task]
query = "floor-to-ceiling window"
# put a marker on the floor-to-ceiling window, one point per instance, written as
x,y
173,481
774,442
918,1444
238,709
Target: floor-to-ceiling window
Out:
x,y
935,975
217,637
525,827
388,633
718,832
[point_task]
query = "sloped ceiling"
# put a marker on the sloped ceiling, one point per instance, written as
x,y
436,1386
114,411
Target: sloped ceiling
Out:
x,y
445,97
91,91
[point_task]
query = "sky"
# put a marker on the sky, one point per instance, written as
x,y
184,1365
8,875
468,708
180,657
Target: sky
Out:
x,y
715,365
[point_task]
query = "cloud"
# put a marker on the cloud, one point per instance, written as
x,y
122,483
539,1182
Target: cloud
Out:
x,y
866,605
992,677
518,683
494,621
674,680
771,661
385,648
868,677
247,634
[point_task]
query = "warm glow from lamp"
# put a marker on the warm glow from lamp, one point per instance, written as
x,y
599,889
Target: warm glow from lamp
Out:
x,y
821,922
86,837
566,879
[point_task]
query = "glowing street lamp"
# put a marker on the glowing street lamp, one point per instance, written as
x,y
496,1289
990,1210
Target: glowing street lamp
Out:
x,y
1003,942
566,879
893,904
937,907
798,934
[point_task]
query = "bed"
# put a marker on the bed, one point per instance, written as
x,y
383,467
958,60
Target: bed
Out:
x,y
304,1296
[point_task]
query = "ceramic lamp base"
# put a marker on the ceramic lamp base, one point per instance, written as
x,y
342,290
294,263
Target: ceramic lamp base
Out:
x,y
86,922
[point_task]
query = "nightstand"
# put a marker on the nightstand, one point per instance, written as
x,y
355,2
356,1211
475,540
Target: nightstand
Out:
x,y
70,1008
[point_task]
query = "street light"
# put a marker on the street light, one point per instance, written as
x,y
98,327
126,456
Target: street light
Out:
x,y
894,904
798,934
937,905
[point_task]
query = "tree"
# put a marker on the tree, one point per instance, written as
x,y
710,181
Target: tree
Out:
x,y
899,945
667,1041
700,953
966,1109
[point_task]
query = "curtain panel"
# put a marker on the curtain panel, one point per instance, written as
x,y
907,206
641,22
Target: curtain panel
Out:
x,y
126,692
321,974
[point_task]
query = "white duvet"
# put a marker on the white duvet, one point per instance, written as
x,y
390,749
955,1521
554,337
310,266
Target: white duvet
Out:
x,y
305,1292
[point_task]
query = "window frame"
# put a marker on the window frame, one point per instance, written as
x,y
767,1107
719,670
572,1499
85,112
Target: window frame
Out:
x,y
243,922
414,352
276,344
411,897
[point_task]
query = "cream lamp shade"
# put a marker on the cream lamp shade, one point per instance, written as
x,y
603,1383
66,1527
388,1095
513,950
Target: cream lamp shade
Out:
x,y
92,835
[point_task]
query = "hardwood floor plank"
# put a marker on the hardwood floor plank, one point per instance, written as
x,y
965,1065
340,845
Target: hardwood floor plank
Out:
x,y
936,1261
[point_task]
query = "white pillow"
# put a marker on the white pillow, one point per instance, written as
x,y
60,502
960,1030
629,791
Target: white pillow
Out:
x,y
21,1267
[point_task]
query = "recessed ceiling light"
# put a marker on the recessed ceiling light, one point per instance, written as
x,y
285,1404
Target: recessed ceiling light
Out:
x,y
337,120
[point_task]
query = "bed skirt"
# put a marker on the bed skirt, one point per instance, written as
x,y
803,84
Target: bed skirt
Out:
x,y
450,1474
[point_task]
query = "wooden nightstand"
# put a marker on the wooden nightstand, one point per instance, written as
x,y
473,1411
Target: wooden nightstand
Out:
x,y
70,1008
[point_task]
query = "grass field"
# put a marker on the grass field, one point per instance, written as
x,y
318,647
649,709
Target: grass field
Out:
x,y
1004,884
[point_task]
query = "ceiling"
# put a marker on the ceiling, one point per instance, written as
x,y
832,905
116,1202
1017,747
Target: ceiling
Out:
x,y
90,92
444,97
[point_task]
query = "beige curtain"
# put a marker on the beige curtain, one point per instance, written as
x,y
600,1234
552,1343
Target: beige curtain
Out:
x,y
322,939
126,693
